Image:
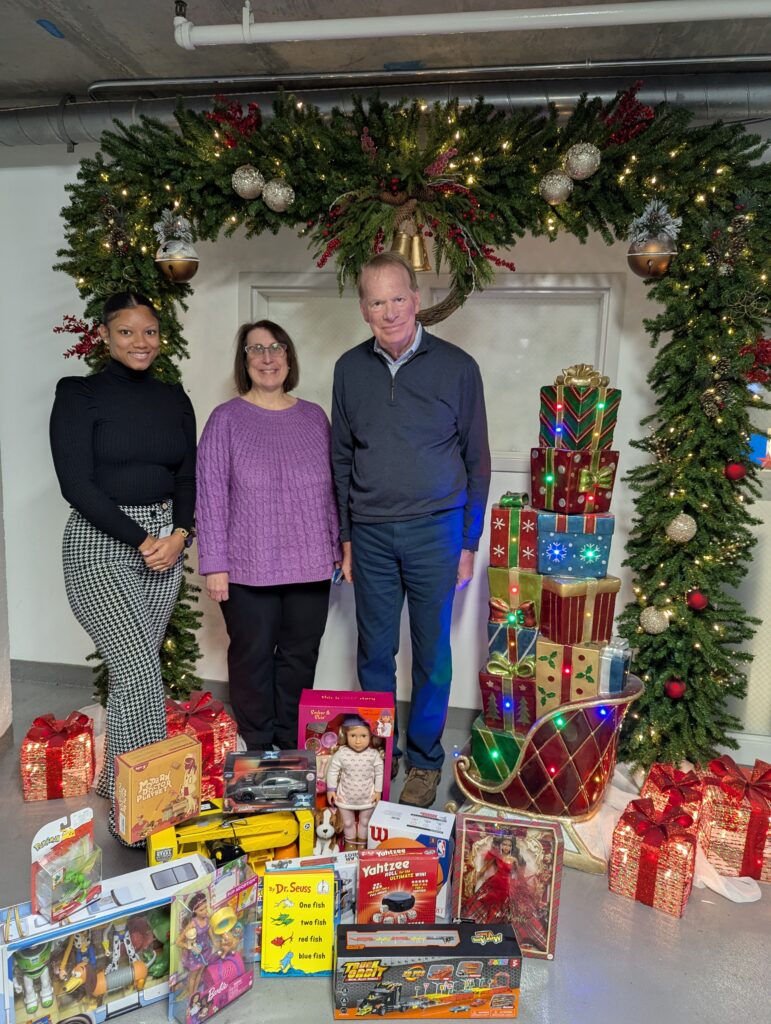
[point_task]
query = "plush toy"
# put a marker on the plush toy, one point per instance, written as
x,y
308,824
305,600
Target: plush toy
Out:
x,y
329,825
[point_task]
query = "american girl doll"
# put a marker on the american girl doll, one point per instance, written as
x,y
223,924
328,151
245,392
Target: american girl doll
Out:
x,y
355,780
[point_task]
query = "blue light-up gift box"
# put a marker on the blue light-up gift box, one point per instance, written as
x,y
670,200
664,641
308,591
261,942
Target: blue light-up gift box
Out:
x,y
577,546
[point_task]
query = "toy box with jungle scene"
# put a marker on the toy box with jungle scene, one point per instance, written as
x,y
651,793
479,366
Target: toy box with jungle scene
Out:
x,y
435,971
322,712
269,780
104,960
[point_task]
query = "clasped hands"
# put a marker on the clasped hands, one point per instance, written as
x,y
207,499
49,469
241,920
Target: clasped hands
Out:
x,y
160,553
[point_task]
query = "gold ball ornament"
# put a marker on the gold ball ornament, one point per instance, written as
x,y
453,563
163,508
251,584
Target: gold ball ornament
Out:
x,y
277,195
247,182
555,187
582,160
682,528
178,261
654,621
652,256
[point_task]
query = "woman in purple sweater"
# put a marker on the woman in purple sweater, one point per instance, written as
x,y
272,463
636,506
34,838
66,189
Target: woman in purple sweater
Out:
x,y
268,533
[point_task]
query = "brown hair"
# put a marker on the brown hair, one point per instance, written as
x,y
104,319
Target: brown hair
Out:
x,y
388,259
241,377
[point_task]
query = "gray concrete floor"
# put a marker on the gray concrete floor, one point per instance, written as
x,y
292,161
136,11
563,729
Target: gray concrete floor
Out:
x,y
615,960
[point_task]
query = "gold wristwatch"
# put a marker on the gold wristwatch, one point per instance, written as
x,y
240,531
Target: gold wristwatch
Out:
x,y
187,536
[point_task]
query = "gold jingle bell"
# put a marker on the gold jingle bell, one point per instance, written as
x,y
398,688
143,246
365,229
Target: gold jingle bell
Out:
x,y
177,260
412,249
402,245
652,256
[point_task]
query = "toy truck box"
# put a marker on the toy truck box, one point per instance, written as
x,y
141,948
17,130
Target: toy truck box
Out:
x,y
156,786
322,712
460,970
394,825
269,780
106,959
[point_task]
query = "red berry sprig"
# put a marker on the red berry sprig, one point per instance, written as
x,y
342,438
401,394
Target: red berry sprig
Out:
x,y
233,120
89,335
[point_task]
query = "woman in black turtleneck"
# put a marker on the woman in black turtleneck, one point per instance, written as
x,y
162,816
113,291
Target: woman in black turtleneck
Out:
x,y
123,445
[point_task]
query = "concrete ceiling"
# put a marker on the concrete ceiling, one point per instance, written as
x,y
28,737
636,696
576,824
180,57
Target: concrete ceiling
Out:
x,y
133,39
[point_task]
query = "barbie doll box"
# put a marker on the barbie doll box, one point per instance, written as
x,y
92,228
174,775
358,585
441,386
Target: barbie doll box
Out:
x,y
398,825
157,786
458,970
322,712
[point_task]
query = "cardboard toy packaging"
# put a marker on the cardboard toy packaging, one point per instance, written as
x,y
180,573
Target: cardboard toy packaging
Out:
x,y
103,960
459,970
269,780
66,866
298,923
157,786
321,714
346,869
400,825
398,886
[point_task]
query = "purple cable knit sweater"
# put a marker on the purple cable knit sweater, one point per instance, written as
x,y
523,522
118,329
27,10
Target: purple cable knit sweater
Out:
x,y
266,512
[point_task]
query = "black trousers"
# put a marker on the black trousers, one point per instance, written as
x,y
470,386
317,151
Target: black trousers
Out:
x,y
275,633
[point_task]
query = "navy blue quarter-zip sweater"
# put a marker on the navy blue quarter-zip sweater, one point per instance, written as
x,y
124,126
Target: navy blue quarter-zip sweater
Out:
x,y
410,445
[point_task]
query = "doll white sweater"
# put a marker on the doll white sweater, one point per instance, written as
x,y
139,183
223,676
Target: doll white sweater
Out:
x,y
355,777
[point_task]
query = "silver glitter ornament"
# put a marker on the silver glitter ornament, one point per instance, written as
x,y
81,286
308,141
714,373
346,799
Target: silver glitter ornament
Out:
x,y
555,187
247,181
654,620
582,161
277,195
682,528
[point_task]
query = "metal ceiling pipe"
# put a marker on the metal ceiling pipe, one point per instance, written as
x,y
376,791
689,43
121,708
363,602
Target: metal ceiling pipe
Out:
x,y
190,36
710,97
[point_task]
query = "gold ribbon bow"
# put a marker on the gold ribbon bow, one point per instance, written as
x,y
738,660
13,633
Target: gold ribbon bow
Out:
x,y
499,665
588,479
582,375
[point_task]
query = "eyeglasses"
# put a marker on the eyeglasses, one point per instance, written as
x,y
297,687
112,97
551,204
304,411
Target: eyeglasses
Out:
x,y
276,348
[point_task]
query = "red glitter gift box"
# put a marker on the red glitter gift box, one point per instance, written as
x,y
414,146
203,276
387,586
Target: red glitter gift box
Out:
x,y
653,856
57,757
577,611
206,720
733,827
667,787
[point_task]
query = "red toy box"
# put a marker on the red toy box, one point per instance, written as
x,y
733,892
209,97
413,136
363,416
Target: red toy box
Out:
x,y
398,886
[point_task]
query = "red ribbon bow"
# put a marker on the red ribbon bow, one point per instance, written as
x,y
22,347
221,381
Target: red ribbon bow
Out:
x,y
56,731
681,787
201,706
654,829
755,788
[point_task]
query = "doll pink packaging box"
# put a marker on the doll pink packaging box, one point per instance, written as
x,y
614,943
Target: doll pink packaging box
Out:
x,y
322,713
399,825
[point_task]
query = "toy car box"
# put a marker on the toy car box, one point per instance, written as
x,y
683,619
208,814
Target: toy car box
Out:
x,y
399,825
322,712
156,786
463,970
269,780
346,868
222,837
397,886
107,958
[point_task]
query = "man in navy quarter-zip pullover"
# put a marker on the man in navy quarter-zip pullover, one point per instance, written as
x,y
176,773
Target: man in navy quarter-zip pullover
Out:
x,y
411,464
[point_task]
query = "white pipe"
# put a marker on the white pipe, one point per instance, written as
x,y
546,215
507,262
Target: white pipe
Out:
x,y
645,12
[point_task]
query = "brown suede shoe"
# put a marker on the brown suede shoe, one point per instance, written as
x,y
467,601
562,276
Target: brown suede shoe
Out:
x,y
420,787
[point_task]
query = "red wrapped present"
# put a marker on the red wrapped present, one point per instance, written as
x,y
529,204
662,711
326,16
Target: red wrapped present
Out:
x,y
572,482
575,611
733,827
513,533
206,720
579,410
57,757
652,857
667,787
508,694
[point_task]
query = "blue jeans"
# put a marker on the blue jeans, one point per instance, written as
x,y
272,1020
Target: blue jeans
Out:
x,y
418,558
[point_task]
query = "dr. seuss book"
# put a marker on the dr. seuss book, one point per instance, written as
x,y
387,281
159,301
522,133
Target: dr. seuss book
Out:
x,y
298,915
211,941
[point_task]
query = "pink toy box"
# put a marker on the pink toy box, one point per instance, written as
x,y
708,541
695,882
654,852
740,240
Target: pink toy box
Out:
x,y
322,712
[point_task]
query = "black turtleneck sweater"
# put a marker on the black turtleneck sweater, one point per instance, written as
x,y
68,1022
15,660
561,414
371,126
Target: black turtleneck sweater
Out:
x,y
121,437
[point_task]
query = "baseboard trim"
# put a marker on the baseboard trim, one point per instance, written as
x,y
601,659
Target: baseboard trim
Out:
x,y
752,747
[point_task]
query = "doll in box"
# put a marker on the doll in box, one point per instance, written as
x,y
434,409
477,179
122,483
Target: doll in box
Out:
x,y
501,892
355,780
195,941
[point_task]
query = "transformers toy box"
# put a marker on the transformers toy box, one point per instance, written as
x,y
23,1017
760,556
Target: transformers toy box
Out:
x,y
107,958
460,970
157,786
269,780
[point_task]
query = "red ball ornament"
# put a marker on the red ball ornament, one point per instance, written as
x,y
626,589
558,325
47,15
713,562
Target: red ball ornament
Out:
x,y
674,688
735,471
696,600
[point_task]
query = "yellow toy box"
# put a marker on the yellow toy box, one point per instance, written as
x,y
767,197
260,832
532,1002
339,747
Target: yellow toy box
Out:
x,y
157,786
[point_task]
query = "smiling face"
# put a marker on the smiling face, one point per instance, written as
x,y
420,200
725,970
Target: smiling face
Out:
x,y
267,370
133,337
389,306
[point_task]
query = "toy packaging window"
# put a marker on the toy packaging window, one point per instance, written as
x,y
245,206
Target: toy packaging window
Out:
x,y
269,780
212,924
66,866
509,871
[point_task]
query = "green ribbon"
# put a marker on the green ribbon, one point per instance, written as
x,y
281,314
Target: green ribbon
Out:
x,y
511,499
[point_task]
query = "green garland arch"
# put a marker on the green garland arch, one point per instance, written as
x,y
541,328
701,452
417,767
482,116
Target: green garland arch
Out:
x,y
473,173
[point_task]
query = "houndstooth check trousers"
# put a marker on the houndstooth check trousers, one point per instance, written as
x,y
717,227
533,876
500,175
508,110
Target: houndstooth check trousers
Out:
x,y
125,609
